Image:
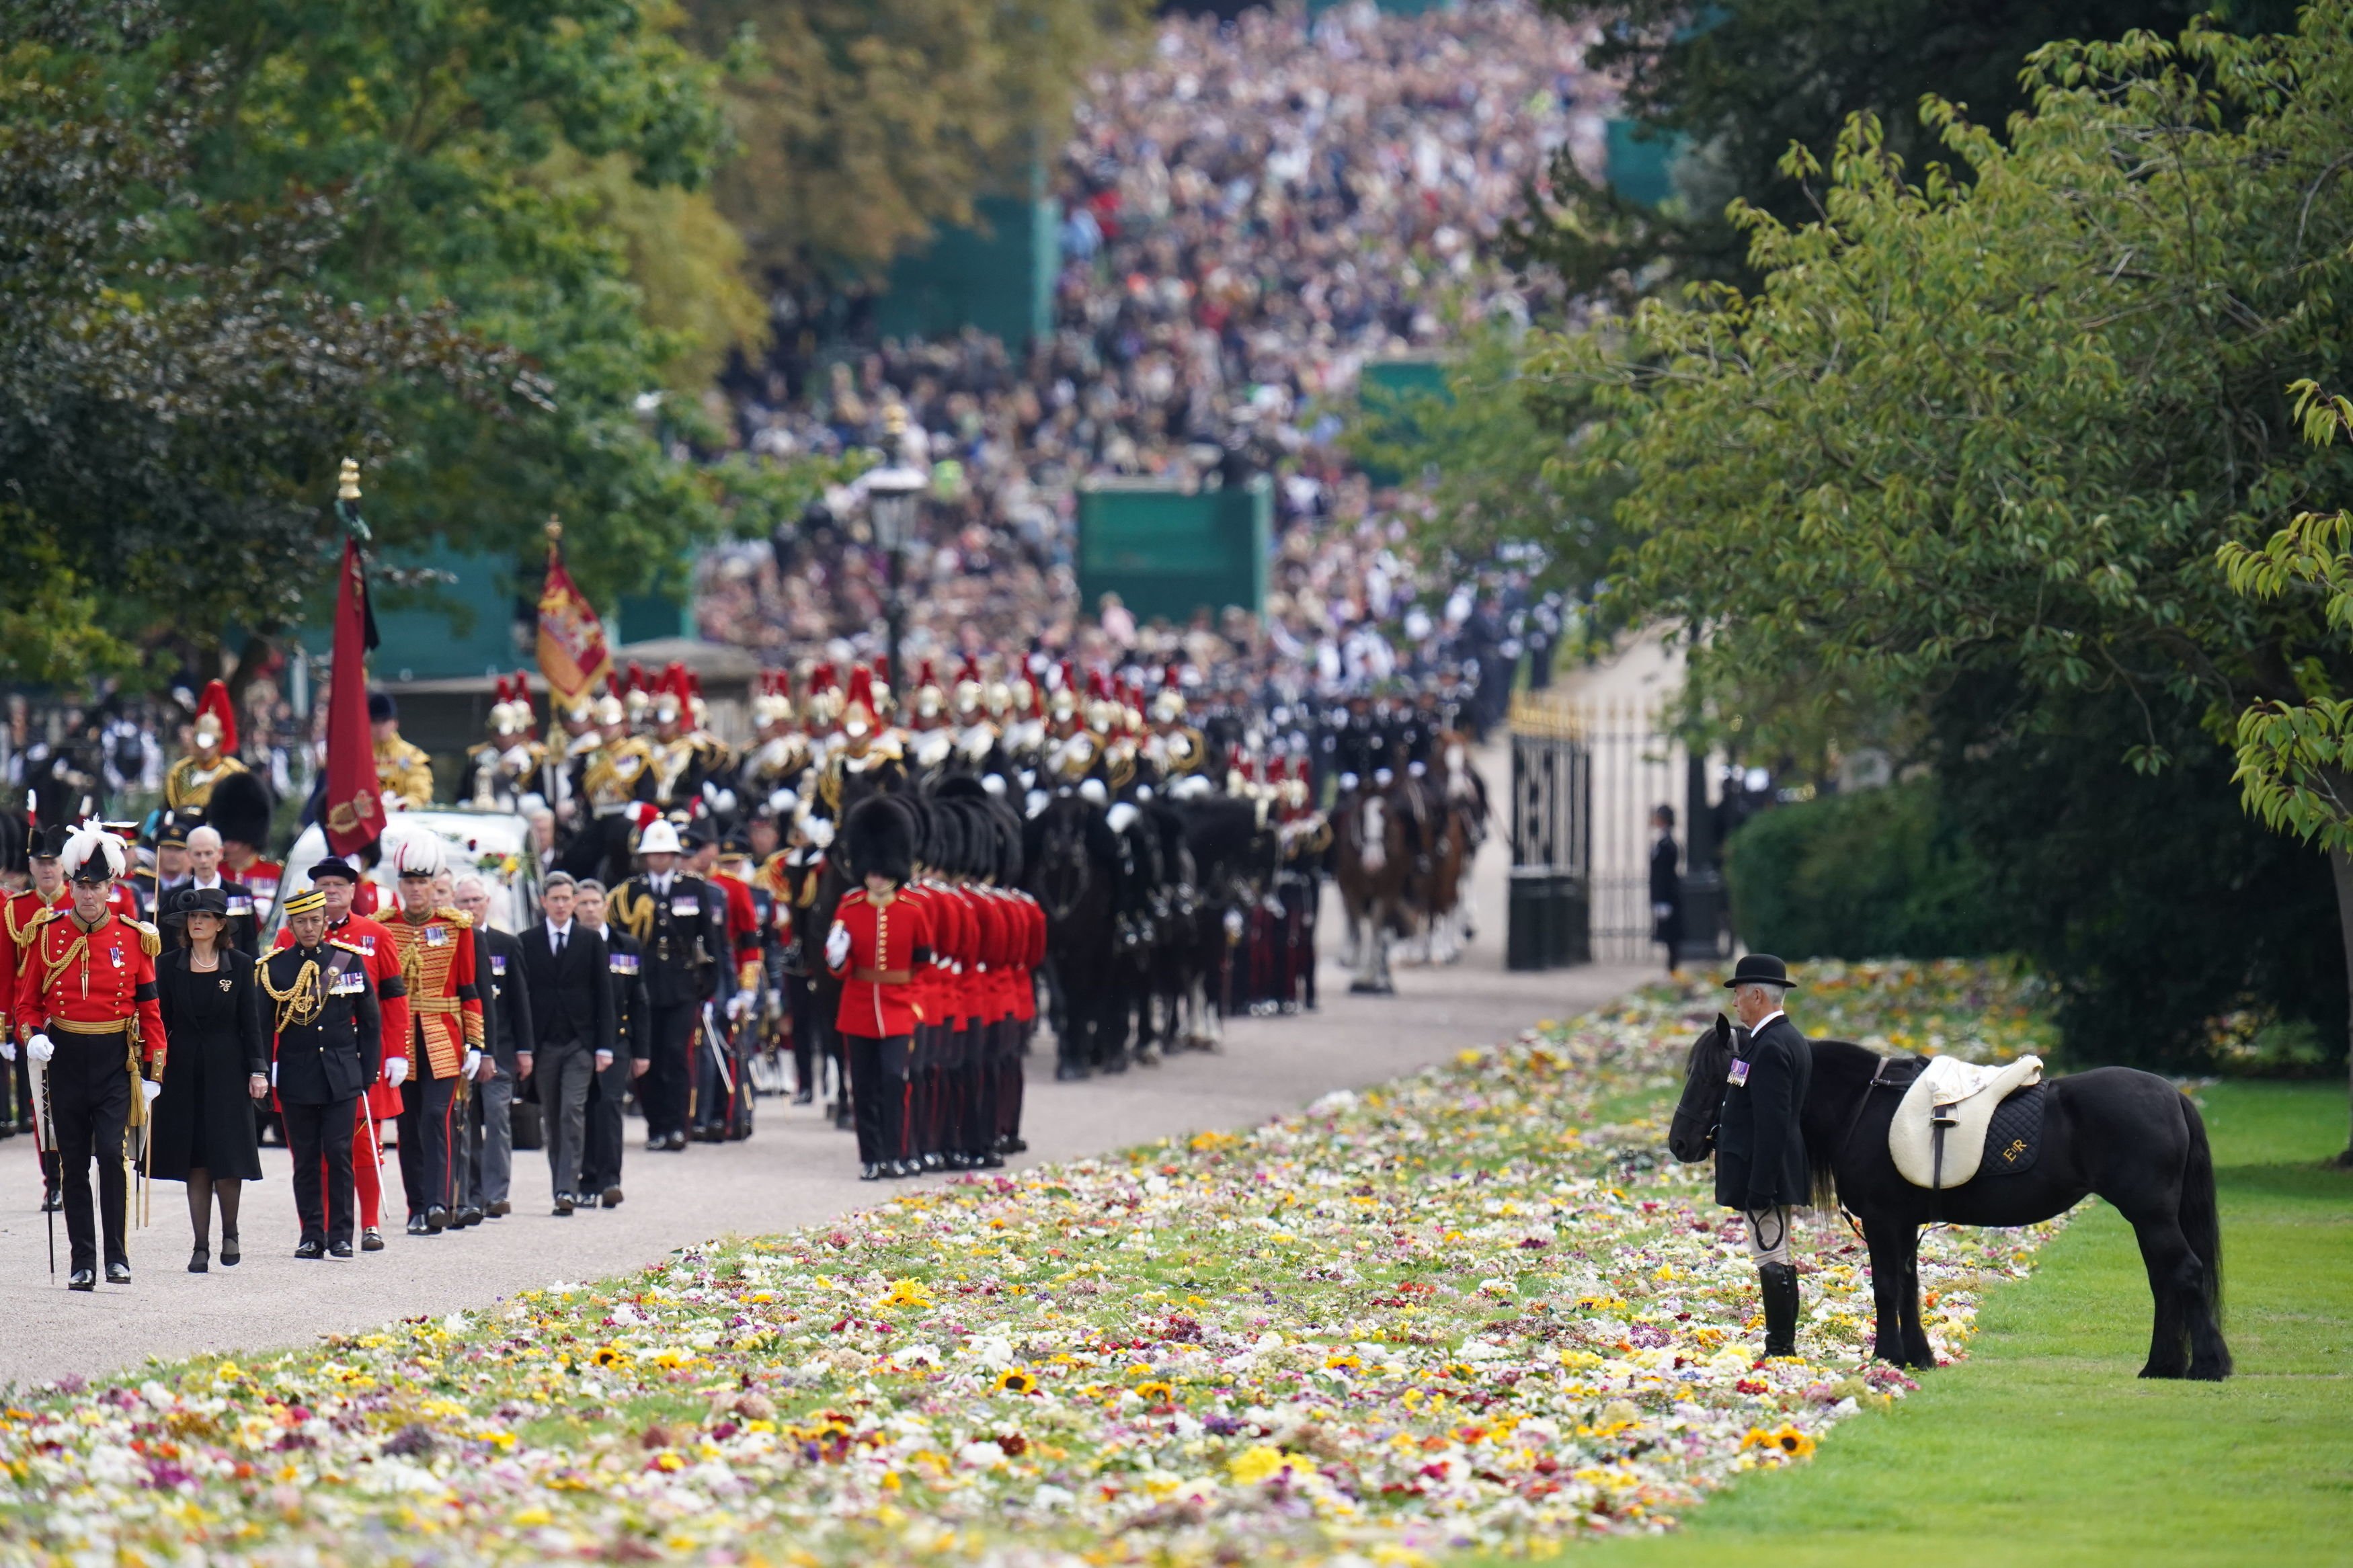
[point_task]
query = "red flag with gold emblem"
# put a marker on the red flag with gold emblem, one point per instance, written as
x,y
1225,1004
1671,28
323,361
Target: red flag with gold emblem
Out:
x,y
351,814
571,653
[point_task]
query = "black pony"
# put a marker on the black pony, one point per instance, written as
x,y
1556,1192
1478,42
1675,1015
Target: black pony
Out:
x,y
2129,1136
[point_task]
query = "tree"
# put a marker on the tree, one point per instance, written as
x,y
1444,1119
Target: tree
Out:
x,y
320,227
1736,82
1998,428
865,124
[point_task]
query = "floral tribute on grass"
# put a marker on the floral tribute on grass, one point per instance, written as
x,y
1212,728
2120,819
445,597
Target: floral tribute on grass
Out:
x,y
1473,1308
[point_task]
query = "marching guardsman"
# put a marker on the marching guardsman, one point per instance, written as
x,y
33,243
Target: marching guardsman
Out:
x,y
239,812
338,881
508,768
211,756
18,914
86,1005
930,740
976,732
795,874
404,773
680,926
878,942
867,760
445,1008
781,753
1760,1146
326,1051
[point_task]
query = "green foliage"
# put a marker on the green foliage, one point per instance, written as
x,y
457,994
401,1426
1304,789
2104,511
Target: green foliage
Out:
x,y
244,241
1739,81
863,123
1484,472
1874,874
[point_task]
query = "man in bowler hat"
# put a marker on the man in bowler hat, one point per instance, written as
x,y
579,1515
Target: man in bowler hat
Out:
x,y
1760,1146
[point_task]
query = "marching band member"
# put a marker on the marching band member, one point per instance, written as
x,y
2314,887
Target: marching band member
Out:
x,y
89,975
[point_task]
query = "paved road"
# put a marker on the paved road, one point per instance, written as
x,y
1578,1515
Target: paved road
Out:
x,y
797,1170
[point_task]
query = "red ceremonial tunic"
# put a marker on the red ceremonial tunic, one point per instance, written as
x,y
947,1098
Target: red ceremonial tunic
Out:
x,y
17,914
889,942
91,982
1033,953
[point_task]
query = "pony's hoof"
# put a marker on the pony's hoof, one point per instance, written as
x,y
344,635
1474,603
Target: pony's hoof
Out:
x,y
2169,1373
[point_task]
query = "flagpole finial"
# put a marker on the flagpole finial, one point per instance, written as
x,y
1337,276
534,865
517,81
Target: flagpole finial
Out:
x,y
554,529
347,481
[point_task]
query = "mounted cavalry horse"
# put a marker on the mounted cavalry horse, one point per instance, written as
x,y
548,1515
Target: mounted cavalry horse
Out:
x,y
2129,1136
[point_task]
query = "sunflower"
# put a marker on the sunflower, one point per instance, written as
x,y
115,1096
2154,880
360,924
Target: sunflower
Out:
x,y
608,1355
1017,1380
1155,1392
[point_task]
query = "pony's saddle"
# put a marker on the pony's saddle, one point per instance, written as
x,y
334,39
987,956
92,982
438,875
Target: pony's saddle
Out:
x,y
1938,1137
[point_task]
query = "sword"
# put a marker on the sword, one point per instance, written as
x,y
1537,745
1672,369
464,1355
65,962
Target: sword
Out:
x,y
44,1141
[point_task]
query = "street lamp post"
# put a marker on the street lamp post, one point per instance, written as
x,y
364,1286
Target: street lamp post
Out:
x,y
893,496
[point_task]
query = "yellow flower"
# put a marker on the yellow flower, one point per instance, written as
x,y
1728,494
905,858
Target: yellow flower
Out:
x,y
1340,1363
906,1293
1017,1380
1155,1392
1264,1463
608,1355
530,1516
1787,1440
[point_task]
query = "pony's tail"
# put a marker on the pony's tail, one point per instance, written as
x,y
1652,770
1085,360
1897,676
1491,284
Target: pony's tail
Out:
x,y
2201,1223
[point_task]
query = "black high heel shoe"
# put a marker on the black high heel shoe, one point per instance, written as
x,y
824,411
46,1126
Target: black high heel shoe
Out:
x,y
228,1252
199,1261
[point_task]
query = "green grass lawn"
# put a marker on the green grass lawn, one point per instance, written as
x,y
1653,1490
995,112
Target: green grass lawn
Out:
x,y
2044,1447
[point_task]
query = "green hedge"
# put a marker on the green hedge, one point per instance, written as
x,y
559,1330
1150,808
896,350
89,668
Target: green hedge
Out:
x,y
1870,874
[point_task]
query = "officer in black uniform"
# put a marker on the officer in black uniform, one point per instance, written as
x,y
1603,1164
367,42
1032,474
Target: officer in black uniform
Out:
x,y
328,1047
1760,1145
681,929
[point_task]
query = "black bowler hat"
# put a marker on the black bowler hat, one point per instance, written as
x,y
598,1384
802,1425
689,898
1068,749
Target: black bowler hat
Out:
x,y
1760,969
197,901
334,868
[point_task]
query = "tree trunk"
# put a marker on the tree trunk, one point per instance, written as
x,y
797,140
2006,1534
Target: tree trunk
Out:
x,y
2340,866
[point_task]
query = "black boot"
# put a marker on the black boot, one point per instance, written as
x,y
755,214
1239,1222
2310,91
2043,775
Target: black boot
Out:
x,y
1778,1283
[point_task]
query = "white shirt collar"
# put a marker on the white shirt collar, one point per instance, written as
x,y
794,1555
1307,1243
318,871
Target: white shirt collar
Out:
x,y
558,932
1762,1023
214,883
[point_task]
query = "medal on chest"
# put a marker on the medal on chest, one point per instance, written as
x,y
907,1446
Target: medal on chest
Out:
x,y
1738,1076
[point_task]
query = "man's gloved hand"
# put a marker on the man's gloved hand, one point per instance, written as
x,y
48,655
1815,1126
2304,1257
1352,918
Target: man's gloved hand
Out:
x,y
39,1049
8,1049
396,1070
473,1060
151,1089
837,946
738,1005
604,1060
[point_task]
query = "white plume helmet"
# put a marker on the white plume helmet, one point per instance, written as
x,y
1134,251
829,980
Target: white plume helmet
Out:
x,y
89,838
417,855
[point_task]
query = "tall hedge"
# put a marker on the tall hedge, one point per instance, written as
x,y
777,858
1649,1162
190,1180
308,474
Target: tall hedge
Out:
x,y
1876,874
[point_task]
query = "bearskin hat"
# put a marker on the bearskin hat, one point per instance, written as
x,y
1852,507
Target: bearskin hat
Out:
x,y
879,839
239,810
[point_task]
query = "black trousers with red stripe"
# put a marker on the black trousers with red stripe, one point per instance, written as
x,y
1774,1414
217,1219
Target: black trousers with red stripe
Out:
x,y
880,1091
429,1165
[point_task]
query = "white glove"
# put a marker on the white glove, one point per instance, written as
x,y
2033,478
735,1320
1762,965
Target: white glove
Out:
x,y
473,1061
396,1072
837,946
738,1004
151,1089
7,1049
39,1048
819,830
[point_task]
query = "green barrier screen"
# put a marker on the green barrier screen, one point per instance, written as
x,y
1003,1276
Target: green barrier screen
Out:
x,y
1167,554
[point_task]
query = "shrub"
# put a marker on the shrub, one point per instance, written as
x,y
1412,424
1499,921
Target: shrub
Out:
x,y
1876,874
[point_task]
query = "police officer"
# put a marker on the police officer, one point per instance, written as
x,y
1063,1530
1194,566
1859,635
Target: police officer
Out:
x,y
1760,1147
679,927
329,1048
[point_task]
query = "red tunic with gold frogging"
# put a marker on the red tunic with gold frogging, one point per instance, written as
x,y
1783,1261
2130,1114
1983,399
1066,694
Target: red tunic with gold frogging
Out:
x,y
437,960
90,981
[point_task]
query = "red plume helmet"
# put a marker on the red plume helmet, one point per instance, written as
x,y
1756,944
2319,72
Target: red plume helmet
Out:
x,y
218,716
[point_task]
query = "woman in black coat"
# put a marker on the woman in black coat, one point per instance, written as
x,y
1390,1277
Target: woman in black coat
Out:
x,y
217,1065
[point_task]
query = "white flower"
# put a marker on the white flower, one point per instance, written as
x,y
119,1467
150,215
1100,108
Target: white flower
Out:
x,y
994,1352
981,1455
1482,1350
1049,1498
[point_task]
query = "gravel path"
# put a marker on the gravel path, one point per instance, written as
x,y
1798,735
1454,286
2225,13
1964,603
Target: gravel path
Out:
x,y
795,1171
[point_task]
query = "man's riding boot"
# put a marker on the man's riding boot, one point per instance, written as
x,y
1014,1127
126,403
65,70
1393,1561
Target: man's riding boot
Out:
x,y
1778,1284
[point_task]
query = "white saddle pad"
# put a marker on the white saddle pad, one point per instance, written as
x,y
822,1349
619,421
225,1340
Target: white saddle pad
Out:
x,y
1967,1093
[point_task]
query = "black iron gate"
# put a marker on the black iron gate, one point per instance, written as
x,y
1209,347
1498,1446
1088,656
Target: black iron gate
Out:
x,y
1550,922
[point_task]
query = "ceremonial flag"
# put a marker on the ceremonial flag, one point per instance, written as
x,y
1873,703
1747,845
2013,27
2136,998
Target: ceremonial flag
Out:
x,y
572,653
352,812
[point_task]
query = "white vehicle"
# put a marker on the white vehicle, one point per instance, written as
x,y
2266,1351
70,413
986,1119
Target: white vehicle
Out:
x,y
492,845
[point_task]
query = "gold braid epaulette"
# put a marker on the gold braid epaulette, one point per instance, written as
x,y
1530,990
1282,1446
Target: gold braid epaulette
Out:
x,y
636,915
301,1003
352,948
150,940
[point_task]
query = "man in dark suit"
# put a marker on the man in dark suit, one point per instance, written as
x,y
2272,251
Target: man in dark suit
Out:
x,y
600,1172
507,1032
1760,1143
564,967
1666,888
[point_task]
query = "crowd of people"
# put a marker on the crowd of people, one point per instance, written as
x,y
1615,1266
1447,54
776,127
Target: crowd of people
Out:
x,y
1250,216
